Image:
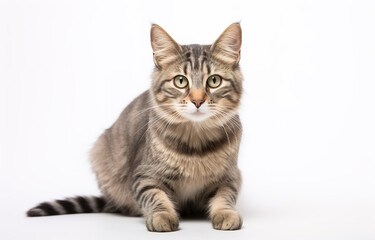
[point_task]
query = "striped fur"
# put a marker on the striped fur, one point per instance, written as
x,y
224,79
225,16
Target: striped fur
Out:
x,y
68,206
166,157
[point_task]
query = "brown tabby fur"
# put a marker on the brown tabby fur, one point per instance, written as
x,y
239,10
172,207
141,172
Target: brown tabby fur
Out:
x,y
156,162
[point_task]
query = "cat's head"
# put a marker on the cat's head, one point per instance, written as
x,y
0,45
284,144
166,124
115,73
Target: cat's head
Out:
x,y
197,82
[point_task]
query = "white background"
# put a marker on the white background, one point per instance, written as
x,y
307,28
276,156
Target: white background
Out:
x,y
68,68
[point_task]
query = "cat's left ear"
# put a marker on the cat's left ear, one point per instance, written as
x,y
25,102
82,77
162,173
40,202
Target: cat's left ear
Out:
x,y
166,50
227,47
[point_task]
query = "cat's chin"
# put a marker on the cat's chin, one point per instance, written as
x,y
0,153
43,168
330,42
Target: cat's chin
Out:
x,y
197,116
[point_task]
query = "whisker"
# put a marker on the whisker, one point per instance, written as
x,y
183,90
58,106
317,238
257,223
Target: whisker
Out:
x,y
223,128
153,107
150,124
168,119
232,129
171,120
230,117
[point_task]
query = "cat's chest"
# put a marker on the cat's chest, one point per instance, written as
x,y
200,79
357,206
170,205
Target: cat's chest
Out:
x,y
195,170
189,188
204,167
195,174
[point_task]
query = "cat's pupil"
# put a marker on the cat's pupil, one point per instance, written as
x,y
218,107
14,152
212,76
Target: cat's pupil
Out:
x,y
214,80
181,80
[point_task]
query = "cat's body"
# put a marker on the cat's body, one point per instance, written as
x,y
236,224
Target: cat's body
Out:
x,y
189,174
173,150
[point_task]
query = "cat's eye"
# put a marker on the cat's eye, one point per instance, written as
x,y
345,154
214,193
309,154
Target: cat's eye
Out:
x,y
180,81
214,81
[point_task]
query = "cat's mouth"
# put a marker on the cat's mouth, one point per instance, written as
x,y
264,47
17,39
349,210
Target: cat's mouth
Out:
x,y
197,115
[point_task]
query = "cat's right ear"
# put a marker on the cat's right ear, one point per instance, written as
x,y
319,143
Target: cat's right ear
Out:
x,y
166,50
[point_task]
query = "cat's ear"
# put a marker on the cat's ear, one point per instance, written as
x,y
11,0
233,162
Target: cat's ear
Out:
x,y
166,50
227,47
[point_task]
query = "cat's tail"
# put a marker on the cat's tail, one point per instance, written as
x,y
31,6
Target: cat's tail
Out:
x,y
80,204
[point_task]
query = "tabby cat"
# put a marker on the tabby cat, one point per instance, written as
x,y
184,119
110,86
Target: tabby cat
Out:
x,y
173,150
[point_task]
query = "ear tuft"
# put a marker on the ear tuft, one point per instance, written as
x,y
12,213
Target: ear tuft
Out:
x,y
166,50
227,47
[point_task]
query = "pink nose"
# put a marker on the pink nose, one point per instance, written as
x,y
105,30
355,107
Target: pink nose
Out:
x,y
197,102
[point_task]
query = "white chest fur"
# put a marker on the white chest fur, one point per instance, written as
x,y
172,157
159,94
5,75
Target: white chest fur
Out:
x,y
188,189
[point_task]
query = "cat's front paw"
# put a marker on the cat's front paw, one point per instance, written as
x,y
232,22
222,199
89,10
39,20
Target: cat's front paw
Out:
x,y
226,220
162,222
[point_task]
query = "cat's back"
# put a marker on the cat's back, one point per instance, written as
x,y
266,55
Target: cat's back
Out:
x,y
135,114
118,146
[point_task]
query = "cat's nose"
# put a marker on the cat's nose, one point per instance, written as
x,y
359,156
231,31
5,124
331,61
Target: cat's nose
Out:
x,y
197,102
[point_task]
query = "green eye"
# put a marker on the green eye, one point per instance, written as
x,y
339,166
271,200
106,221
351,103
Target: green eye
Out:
x,y
180,81
214,81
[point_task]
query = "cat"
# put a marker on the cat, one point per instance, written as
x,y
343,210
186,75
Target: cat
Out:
x,y
173,150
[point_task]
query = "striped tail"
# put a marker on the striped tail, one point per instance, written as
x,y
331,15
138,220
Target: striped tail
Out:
x,y
69,206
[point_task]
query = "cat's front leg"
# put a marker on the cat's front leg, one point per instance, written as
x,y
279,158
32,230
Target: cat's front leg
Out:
x,y
222,210
156,205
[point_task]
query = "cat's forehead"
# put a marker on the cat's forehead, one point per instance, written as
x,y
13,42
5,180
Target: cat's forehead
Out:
x,y
195,58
